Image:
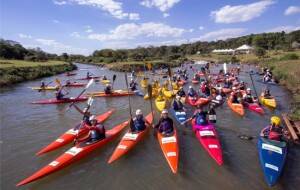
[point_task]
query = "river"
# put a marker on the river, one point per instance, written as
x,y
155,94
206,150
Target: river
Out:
x,y
26,128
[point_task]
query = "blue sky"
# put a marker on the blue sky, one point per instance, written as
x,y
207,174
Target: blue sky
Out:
x,y
82,26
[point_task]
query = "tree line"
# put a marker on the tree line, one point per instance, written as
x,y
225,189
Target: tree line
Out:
x,y
262,42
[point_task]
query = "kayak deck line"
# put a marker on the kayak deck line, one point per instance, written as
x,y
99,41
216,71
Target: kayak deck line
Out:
x,y
293,127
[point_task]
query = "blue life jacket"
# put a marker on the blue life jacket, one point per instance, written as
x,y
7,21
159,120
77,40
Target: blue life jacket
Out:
x,y
139,124
201,119
177,105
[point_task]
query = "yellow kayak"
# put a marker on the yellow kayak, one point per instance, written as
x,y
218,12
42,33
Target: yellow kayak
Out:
x,y
167,93
105,81
154,93
270,102
144,83
46,88
160,104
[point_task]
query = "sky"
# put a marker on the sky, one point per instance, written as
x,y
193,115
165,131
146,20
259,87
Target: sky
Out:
x,y
83,26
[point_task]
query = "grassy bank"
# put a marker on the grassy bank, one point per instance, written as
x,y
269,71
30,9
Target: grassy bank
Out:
x,y
14,71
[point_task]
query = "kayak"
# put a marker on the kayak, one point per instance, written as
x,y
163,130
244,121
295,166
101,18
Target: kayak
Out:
x,y
74,154
270,102
195,81
169,146
113,94
70,74
89,78
62,101
71,134
272,156
192,100
181,82
254,107
167,93
129,140
45,88
105,81
160,105
208,137
237,108
202,101
144,83
180,116
75,84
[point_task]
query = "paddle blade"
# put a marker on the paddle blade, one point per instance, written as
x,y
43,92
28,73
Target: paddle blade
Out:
x,y
169,72
90,101
114,77
89,83
150,91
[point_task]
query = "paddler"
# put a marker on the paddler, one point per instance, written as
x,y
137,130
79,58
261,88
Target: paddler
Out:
x,y
104,77
96,132
139,122
206,89
266,93
181,92
247,97
68,82
165,124
235,96
199,115
43,85
108,89
274,131
59,94
192,92
133,85
242,85
177,104
268,76
88,75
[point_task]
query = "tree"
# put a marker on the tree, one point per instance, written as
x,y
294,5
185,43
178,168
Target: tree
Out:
x,y
259,52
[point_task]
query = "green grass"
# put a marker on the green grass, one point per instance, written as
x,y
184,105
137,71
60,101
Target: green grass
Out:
x,y
22,63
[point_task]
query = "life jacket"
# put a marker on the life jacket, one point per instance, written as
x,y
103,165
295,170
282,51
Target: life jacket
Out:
x,y
275,133
165,126
139,124
192,93
181,93
59,95
97,132
177,105
107,90
249,98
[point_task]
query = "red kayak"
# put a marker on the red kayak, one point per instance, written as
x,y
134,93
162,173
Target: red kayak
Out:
x,y
75,84
64,100
181,82
208,137
200,74
89,78
202,101
129,140
195,81
74,154
113,94
254,107
71,74
71,134
192,100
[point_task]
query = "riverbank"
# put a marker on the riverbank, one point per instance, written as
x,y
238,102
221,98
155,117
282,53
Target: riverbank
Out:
x,y
15,71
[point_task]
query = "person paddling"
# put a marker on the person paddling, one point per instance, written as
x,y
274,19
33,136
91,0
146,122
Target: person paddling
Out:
x,y
247,97
181,92
133,85
104,77
96,132
266,94
88,75
139,122
43,85
108,89
177,104
274,131
59,94
192,92
199,115
165,124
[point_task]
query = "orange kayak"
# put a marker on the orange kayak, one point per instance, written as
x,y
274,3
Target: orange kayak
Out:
x,y
169,146
74,154
71,134
129,140
237,108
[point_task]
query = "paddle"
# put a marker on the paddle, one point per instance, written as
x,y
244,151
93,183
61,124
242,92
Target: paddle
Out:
x,y
86,87
114,78
45,86
170,75
130,110
254,87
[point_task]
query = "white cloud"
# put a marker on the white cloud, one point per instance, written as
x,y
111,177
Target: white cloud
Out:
x,y
75,35
165,15
113,7
240,13
132,30
59,2
201,28
55,21
162,5
134,16
292,10
284,28
221,34
160,43
88,29
191,30
53,46
24,36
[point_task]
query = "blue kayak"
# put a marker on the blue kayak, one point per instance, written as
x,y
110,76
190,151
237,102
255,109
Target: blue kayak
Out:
x,y
180,116
272,155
